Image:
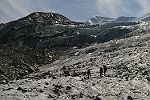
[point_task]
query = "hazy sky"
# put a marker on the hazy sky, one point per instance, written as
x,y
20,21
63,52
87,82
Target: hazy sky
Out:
x,y
77,10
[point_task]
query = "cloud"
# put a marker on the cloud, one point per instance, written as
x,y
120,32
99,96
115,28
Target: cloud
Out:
x,y
144,4
79,10
14,9
116,8
11,10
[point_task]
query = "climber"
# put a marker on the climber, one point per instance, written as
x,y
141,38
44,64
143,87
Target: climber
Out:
x,y
105,69
89,73
101,71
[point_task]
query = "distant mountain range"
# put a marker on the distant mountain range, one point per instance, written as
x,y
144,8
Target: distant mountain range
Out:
x,y
46,30
98,20
103,20
144,18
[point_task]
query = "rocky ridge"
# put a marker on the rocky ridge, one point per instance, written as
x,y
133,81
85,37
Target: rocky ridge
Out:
x,y
16,62
31,24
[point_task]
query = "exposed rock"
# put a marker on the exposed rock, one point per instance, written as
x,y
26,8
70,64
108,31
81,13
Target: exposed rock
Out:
x,y
90,50
18,61
97,98
66,73
129,98
21,89
148,78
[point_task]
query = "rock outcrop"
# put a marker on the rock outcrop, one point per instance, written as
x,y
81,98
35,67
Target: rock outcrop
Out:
x,y
16,62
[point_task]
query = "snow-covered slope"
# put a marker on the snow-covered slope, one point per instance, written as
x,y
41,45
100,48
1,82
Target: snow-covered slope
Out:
x,y
125,19
98,20
103,20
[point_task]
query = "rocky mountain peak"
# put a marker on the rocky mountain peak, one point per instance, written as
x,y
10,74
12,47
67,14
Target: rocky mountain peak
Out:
x,y
40,17
104,20
45,17
98,20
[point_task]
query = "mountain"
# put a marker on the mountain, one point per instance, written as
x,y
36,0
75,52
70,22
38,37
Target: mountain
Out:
x,y
145,18
124,19
35,18
32,24
43,57
98,20
103,20
42,30
41,17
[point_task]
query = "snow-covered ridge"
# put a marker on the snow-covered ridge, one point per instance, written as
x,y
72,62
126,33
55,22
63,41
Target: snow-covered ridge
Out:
x,y
99,20
125,19
144,18
103,20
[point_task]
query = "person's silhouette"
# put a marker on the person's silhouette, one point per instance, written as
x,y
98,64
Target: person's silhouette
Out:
x,y
101,71
105,69
89,73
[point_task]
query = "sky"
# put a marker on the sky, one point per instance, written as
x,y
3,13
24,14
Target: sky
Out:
x,y
76,10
